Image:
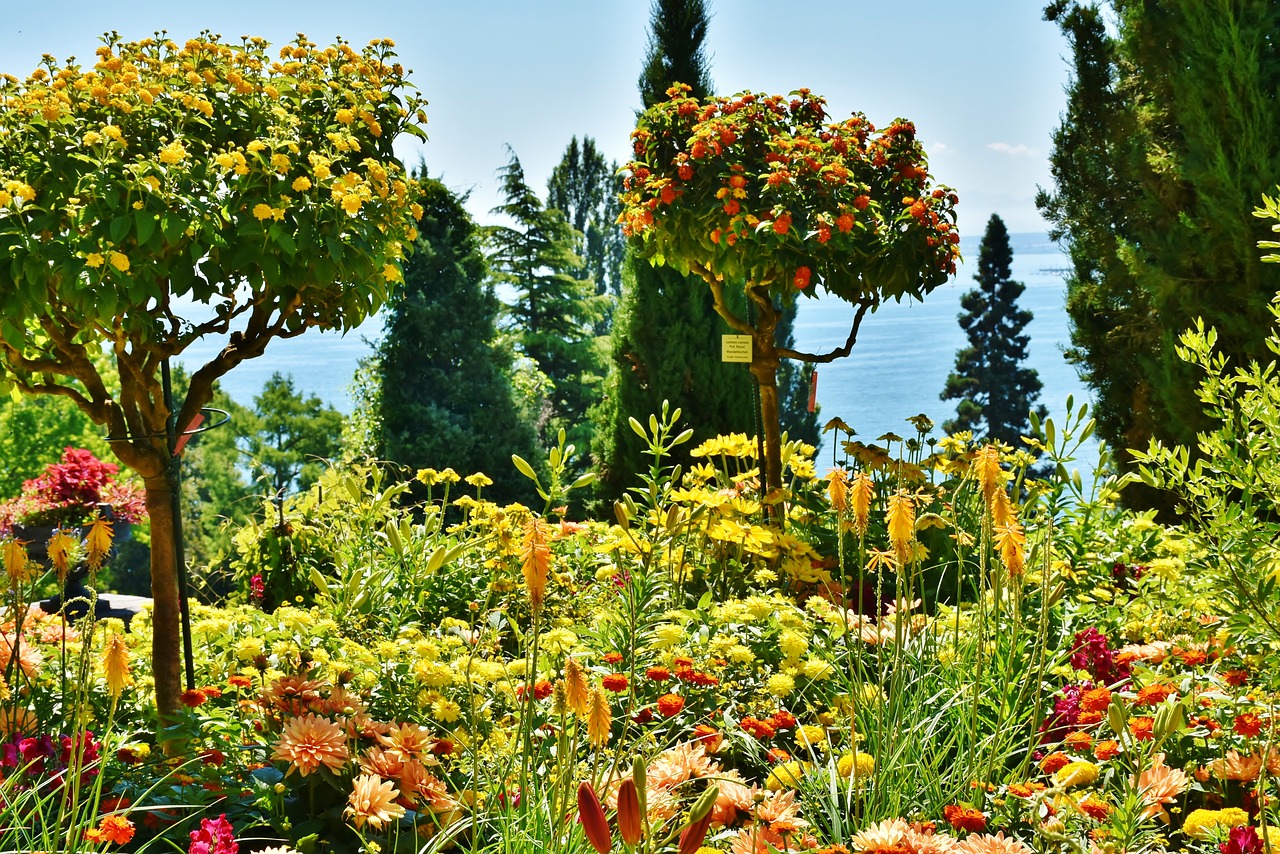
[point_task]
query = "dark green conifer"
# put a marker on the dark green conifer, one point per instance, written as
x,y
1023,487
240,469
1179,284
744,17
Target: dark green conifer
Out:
x,y
996,392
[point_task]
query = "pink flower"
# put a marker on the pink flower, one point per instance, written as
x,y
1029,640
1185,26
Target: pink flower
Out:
x,y
215,836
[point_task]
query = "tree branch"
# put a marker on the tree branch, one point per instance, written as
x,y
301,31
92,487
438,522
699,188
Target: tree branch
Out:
x,y
840,352
717,295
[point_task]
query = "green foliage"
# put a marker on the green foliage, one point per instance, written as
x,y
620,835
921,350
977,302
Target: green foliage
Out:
x,y
1229,490
33,432
445,396
584,187
552,312
996,392
677,50
1166,143
290,437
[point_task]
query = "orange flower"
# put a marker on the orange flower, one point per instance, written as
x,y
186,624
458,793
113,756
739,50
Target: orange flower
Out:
x,y
307,743
193,697
1160,785
1234,766
964,818
98,543
986,467
1012,545
1096,809
1143,729
670,705
615,682
113,828
16,561
1077,741
576,689
535,561
1054,761
987,844
372,800
1104,750
1095,700
1154,694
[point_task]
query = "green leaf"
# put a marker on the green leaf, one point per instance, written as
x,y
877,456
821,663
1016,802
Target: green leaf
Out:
x,y
119,228
146,226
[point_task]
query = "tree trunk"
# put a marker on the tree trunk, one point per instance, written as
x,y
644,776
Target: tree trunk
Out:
x,y
764,367
166,642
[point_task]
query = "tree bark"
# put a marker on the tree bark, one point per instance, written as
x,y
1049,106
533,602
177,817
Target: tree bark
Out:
x,y
166,641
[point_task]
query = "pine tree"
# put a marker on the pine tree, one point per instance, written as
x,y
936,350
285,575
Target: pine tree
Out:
x,y
552,312
291,435
666,334
996,392
1166,145
584,187
444,392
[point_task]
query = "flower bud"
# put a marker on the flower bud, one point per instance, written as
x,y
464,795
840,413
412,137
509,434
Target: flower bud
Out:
x,y
629,819
594,824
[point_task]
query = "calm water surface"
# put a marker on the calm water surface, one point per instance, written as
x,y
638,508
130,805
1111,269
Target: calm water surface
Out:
x,y
896,370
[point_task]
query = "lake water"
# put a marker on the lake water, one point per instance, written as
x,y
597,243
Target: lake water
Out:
x,y
896,370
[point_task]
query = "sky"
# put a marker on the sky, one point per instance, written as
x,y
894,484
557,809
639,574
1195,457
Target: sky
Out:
x,y
982,79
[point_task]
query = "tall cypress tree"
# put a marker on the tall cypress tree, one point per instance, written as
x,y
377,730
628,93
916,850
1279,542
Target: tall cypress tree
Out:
x,y
666,334
1167,143
444,393
995,391
552,311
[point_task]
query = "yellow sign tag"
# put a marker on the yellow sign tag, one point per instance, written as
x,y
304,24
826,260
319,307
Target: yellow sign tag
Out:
x,y
735,348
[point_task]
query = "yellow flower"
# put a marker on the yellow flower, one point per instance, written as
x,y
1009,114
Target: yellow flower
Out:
x,y
301,183
1078,773
858,765
120,261
224,160
255,146
811,735
446,711
91,138
1201,824
16,562
792,644
786,775
901,518
262,211
115,665
780,685
986,467
98,543
599,719
535,559
112,132
351,203
173,153
861,491
391,273
345,117
280,163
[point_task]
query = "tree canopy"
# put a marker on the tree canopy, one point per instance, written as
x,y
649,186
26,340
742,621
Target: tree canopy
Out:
x,y
1168,140
995,390
265,193
763,193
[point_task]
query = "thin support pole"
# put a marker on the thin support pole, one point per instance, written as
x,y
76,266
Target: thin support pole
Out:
x,y
179,549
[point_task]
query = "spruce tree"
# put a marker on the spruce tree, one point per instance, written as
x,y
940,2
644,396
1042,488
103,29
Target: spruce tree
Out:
x,y
996,392
666,333
1167,142
552,312
584,187
444,392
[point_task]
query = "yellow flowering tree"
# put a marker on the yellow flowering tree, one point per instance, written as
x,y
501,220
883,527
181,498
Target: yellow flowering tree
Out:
x,y
169,192
765,193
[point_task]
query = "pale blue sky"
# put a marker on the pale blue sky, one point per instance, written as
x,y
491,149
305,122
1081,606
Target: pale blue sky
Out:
x,y
982,79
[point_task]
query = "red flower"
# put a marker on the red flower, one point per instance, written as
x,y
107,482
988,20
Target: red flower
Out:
x,y
777,754
1095,809
615,682
861,203
1247,725
801,279
782,224
731,207
844,222
238,681
685,171
757,728
1143,729
658,674
1236,678
964,818
612,657
670,705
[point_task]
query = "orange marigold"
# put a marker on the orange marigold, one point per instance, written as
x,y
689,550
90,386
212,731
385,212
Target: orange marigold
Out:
x,y
670,705
1108,749
964,818
1054,761
1095,700
113,828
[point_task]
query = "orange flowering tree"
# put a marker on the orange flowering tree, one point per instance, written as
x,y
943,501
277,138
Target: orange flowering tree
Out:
x,y
765,193
170,192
